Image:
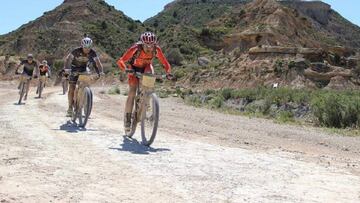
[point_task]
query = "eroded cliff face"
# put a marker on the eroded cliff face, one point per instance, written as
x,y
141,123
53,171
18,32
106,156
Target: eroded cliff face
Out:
x,y
263,42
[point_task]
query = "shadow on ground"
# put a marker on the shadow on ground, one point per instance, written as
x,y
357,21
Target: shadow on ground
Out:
x,y
72,127
135,147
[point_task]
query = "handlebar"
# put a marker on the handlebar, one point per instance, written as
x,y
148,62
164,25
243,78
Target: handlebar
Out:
x,y
81,73
139,75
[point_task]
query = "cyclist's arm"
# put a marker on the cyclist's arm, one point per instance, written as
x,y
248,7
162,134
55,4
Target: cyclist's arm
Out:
x,y
163,60
98,65
18,66
126,57
68,61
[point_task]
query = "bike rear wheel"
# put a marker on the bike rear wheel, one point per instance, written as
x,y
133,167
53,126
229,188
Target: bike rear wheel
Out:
x,y
149,119
22,91
134,123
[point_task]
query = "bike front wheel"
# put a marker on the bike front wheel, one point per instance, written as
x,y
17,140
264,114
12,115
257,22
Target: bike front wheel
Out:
x,y
82,110
22,92
40,88
149,119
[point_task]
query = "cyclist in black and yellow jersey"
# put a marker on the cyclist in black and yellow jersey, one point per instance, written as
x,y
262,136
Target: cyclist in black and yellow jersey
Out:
x,y
78,61
30,70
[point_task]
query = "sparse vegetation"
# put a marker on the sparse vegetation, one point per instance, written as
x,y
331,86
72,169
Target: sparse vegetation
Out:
x,y
114,90
337,109
326,108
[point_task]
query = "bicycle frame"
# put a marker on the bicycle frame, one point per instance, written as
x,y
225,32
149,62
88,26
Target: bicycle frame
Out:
x,y
24,86
142,93
83,99
80,86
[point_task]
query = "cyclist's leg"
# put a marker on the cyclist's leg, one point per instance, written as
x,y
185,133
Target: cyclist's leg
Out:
x,y
21,79
130,101
71,93
27,88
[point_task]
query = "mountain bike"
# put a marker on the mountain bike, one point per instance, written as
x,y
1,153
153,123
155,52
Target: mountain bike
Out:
x,y
146,110
24,83
83,100
41,85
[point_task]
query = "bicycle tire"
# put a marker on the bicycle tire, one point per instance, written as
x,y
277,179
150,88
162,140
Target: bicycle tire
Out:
x,y
149,137
40,89
84,110
91,103
22,92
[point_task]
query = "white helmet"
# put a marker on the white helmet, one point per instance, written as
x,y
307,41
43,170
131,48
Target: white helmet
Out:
x,y
86,42
148,38
44,61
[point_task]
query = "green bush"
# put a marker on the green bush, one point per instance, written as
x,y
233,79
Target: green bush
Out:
x,y
285,116
179,73
226,93
216,102
292,64
209,91
175,57
194,100
339,110
114,90
330,108
259,106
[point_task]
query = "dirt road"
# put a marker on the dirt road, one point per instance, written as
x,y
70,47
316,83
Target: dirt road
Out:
x,y
198,156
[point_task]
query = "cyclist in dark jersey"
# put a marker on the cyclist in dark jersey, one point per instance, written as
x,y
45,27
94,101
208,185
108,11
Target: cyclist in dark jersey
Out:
x,y
30,70
44,69
78,61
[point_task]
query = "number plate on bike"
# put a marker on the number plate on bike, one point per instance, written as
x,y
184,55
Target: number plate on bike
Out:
x,y
42,78
84,78
148,81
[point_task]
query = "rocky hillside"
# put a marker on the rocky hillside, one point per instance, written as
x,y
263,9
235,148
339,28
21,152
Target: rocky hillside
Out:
x,y
238,43
52,35
211,43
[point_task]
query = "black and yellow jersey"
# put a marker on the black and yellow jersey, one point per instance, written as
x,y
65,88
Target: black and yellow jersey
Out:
x,y
82,60
29,67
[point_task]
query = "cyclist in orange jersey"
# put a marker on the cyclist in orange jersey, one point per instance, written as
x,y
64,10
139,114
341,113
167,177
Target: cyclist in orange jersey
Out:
x,y
139,58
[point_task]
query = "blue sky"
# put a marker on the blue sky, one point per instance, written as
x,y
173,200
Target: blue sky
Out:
x,y
17,12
